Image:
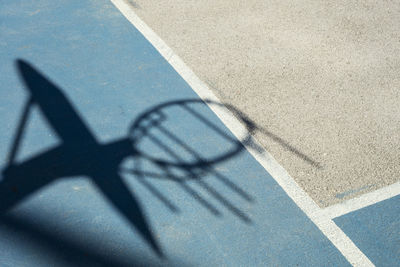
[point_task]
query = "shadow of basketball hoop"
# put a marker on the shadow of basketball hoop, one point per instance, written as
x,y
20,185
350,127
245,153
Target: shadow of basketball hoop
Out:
x,y
155,137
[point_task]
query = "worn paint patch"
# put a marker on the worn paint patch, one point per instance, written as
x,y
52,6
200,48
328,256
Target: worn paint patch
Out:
x,y
353,191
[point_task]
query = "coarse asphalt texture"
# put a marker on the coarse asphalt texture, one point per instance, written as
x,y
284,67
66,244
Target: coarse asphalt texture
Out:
x,y
320,79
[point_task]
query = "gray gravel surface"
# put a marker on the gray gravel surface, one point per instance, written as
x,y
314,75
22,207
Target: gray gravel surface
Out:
x,y
321,79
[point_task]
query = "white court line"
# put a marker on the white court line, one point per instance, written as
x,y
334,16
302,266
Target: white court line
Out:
x,y
362,201
342,242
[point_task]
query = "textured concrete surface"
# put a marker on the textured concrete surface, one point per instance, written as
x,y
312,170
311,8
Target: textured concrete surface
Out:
x,y
320,78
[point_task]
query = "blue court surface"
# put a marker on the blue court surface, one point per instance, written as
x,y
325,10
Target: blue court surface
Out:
x,y
376,231
109,158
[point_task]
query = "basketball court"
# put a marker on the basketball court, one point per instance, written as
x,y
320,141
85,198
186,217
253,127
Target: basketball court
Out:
x,y
117,153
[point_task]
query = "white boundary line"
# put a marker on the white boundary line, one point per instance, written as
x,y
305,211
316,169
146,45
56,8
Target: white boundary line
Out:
x,y
342,242
362,201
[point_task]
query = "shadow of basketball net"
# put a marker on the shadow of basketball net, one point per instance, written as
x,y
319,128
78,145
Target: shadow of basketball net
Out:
x,y
179,140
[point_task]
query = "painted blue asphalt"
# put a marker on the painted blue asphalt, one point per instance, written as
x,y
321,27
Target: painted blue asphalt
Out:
x,y
205,199
376,231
